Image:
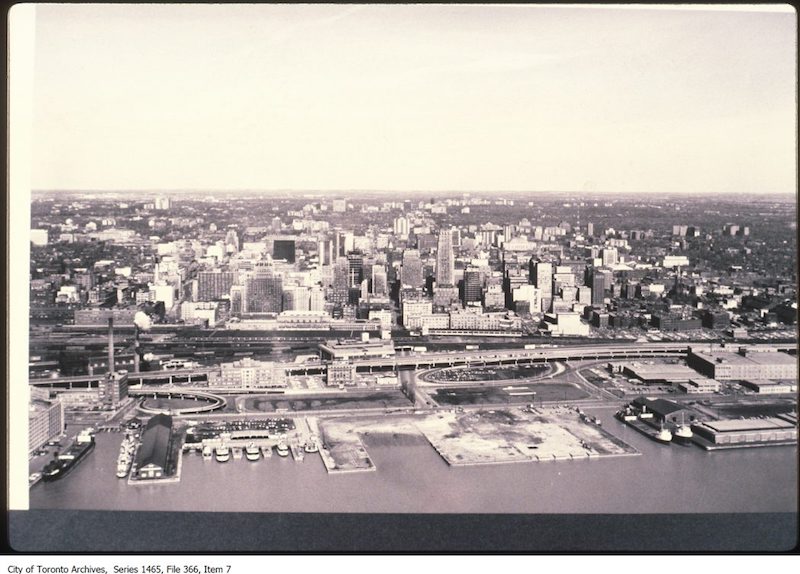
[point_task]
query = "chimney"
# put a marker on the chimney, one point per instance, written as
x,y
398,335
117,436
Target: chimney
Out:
x,y
110,346
136,351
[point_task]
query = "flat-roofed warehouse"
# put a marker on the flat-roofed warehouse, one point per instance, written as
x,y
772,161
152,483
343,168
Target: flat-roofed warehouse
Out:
x,y
653,374
151,458
355,349
662,409
741,432
725,365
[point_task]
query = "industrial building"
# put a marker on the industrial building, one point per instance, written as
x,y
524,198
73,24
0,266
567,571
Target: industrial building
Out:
x,y
662,409
699,385
358,349
45,422
659,373
743,432
768,387
725,365
153,454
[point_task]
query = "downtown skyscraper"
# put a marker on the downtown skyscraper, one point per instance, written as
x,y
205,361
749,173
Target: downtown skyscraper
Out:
x,y
445,258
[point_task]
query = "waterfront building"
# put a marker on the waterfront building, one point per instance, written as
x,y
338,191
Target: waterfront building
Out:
x,y
741,432
153,454
45,421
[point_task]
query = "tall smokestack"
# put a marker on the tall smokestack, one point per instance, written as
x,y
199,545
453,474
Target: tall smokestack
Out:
x,y
110,346
136,351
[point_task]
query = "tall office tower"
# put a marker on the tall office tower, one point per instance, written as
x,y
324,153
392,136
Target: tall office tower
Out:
x,y
598,288
473,286
445,258
513,279
355,269
324,247
542,277
316,300
341,270
585,295
263,292
284,249
610,256
379,280
411,273
400,226
237,300
456,237
231,241
214,284
275,224
590,229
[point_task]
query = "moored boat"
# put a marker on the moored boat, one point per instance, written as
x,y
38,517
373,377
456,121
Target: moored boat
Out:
x,y
223,453
252,452
208,453
282,448
65,462
311,444
266,451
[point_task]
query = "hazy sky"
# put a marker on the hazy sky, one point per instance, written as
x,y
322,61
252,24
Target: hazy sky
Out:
x,y
414,98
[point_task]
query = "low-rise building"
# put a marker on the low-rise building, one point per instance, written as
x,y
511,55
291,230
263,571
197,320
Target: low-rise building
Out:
x,y
249,373
153,454
725,365
356,349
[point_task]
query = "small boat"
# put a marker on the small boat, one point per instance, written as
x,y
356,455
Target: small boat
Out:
x,y
223,453
251,452
266,451
208,453
282,448
237,452
311,444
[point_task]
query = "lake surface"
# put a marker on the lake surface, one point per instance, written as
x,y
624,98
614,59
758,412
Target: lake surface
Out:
x,y
413,478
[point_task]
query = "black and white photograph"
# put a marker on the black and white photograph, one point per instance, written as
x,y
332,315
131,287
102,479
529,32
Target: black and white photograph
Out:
x,y
348,260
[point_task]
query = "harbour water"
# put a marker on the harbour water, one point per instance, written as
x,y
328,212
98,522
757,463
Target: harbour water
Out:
x,y
411,477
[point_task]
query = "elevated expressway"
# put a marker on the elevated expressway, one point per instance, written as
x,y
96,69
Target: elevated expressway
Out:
x,y
430,360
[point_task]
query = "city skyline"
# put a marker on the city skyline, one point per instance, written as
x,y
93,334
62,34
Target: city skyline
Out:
x,y
282,97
